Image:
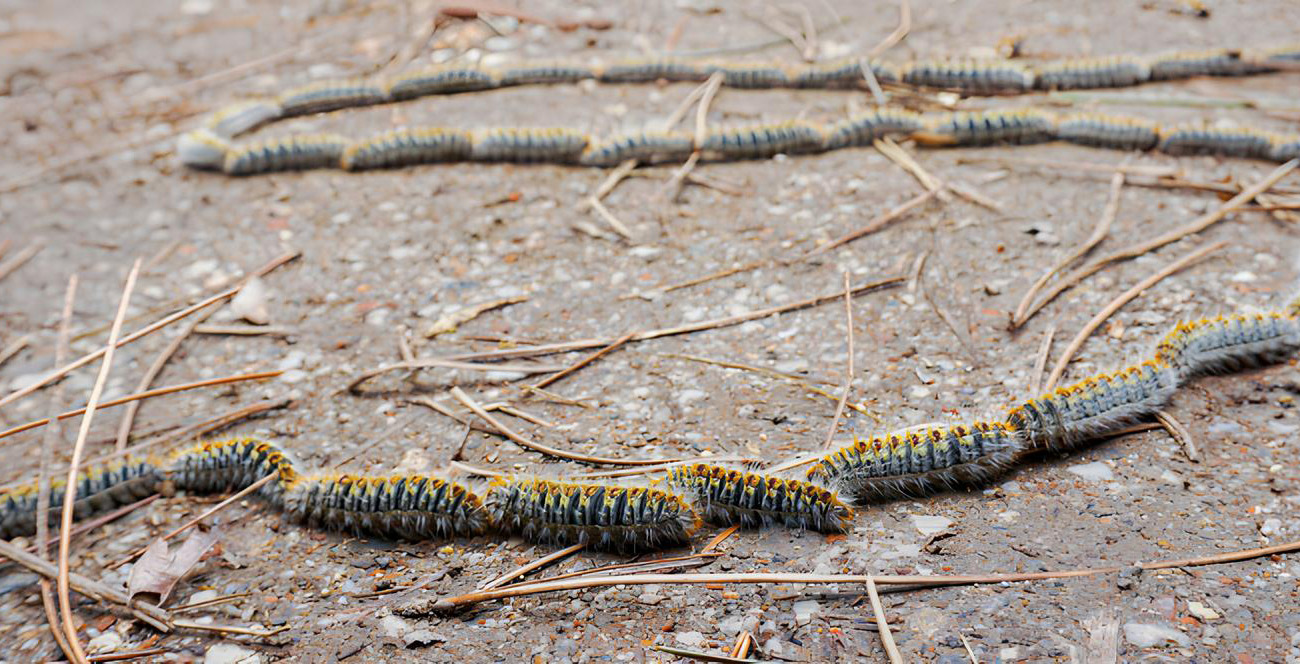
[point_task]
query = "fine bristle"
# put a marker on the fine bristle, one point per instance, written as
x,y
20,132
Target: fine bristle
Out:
x,y
230,465
412,507
99,489
729,496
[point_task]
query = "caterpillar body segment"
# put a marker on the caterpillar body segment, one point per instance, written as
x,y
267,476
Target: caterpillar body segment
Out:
x,y
407,147
626,519
1284,147
648,70
762,141
752,75
242,117
729,496
99,489
1280,54
647,147
863,128
966,128
1211,62
542,73
410,507
440,80
1095,406
1107,72
1229,343
920,462
1108,131
202,149
979,76
1226,142
230,465
561,146
324,96
291,153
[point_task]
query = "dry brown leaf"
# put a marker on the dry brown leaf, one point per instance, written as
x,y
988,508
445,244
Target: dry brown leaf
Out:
x,y
159,569
451,321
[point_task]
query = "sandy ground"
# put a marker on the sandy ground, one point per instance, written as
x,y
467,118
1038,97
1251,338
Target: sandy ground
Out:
x,y
386,254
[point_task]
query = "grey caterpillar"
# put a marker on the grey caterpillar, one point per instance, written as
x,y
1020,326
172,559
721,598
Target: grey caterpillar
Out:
x,y
291,153
413,507
324,96
1106,72
407,147
99,489
731,496
1108,131
982,76
445,79
762,141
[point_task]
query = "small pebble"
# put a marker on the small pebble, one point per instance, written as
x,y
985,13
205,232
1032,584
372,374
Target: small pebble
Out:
x,y
1144,635
1093,472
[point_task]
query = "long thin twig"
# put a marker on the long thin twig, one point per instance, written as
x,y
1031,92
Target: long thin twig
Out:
x,y
147,330
875,224
1180,434
148,394
445,363
848,379
1040,363
1120,301
899,33
42,479
674,186
585,361
695,281
533,566
506,431
70,487
886,637
20,258
14,348
128,417
1196,226
1099,233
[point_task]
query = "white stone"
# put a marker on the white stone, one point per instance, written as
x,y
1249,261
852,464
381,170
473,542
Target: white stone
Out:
x,y
930,524
691,396
109,641
1271,527
1093,472
229,653
393,627
805,610
690,639
1202,612
1143,635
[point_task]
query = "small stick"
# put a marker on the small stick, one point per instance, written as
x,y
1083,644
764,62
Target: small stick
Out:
x,y
701,656
14,348
225,599
674,186
585,361
614,222
20,258
1119,302
1040,364
107,517
701,558
875,224
472,470
523,415
743,644
128,417
1180,434
1099,233
150,329
126,655
969,653
535,565
696,281
899,33
465,399
42,479
1196,226
898,155
649,470
447,363
872,84
148,394
848,379
1123,167
195,520
70,487
720,538
886,637
245,330
229,629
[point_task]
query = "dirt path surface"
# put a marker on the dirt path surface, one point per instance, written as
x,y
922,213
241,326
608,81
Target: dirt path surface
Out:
x,y
98,90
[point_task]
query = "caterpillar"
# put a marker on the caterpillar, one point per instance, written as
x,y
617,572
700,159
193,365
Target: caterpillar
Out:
x,y
203,150
1095,406
1229,343
1107,72
1228,142
1284,148
528,145
728,496
1211,62
406,147
649,70
325,96
969,75
919,462
646,147
1108,131
988,128
291,153
863,128
411,507
543,73
753,75
761,141
444,79
98,489
607,517
243,117
232,464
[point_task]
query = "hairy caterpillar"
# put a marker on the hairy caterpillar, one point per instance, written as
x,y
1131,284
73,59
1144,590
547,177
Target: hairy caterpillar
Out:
x,y
98,489
1284,147
969,75
1095,406
1212,62
1228,142
919,462
242,117
203,150
444,79
988,128
646,147
412,507
863,128
609,517
727,496
543,73
761,141
527,145
232,464
754,75
406,147
1229,343
324,96
1108,72
1108,131
648,70
291,153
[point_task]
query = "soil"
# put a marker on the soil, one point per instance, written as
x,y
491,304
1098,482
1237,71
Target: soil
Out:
x,y
386,254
